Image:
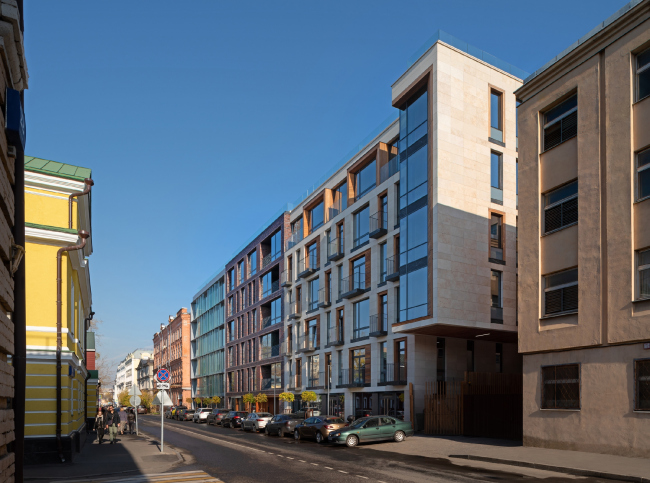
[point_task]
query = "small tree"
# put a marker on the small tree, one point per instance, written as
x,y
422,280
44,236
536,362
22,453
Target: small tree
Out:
x,y
123,398
287,397
198,400
308,397
260,398
216,400
189,401
146,399
207,401
248,399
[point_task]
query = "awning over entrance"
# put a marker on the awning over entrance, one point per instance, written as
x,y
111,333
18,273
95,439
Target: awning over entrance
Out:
x,y
460,332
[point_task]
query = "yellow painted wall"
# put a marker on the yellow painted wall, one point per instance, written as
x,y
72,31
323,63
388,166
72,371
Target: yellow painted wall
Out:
x,y
50,210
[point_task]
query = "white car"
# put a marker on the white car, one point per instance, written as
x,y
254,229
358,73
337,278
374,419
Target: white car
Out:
x,y
256,421
201,415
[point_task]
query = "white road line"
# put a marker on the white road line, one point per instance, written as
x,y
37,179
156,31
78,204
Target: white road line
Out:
x,y
289,458
280,456
364,477
341,471
302,461
327,467
315,464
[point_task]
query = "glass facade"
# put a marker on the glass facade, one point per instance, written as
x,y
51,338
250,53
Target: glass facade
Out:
x,y
208,340
413,147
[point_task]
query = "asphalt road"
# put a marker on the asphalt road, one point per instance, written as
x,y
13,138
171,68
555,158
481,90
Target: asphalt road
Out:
x,y
235,456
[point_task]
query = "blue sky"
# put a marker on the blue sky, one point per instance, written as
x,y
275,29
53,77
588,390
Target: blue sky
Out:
x,y
201,119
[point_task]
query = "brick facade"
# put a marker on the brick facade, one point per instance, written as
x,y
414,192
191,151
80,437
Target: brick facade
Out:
x,y
172,351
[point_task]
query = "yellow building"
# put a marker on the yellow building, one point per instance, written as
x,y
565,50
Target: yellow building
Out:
x,y
53,220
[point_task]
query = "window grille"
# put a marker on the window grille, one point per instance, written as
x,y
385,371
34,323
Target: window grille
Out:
x,y
643,75
642,385
561,292
643,267
561,387
561,123
643,175
561,207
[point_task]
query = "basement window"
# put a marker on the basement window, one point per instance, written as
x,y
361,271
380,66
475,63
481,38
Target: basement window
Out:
x,y
561,387
561,123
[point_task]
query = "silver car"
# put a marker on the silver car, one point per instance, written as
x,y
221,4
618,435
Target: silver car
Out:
x,y
201,415
256,421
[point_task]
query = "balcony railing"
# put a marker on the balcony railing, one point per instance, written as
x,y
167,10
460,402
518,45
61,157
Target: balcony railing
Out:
x,y
267,352
316,380
295,382
268,321
308,342
378,224
325,297
286,278
287,348
294,239
392,268
389,169
271,383
295,310
307,265
267,290
353,285
335,336
335,248
352,377
393,374
361,332
378,325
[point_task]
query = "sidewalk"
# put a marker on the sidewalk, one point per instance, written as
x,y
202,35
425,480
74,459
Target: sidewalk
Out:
x,y
459,448
131,456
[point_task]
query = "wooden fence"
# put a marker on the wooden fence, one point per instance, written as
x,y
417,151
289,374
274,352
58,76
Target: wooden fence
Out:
x,y
443,408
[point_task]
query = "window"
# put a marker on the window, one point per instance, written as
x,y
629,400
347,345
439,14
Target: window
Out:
x,y
496,310
231,279
276,244
313,294
383,362
267,284
383,210
340,199
366,180
252,263
413,150
643,75
240,269
561,207
312,367
561,292
231,305
71,308
276,311
642,385
361,319
643,174
328,322
358,366
496,115
383,252
328,281
496,177
561,123
496,237
312,255
358,274
317,217
561,387
643,268
361,227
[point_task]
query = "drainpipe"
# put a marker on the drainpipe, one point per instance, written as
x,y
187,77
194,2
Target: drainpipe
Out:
x,y
59,254
89,183
86,327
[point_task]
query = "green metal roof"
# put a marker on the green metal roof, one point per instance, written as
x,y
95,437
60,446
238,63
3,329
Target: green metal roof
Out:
x,y
54,168
51,228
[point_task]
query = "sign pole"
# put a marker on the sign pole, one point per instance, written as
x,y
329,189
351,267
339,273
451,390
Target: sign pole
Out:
x,y
162,421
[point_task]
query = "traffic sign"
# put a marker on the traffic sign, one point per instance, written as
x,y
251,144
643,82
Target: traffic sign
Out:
x,y
163,385
162,399
162,375
135,391
135,401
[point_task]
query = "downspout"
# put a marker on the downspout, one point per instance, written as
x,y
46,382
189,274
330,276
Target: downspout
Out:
x,y
59,255
86,327
89,183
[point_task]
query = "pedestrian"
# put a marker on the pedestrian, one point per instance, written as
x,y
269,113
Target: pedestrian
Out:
x,y
112,424
131,420
99,425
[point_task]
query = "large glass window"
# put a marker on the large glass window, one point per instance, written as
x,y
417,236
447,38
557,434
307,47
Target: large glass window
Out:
x,y
496,177
561,123
413,294
643,75
366,180
496,237
561,207
231,279
496,115
317,215
413,241
252,262
276,311
643,268
313,294
358,366
361,319
276,245
413,151
561,292
340,201
383,254
358,274
643,174
361,226
313,366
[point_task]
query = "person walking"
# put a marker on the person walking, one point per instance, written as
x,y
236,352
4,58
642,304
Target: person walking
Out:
x,y
99,425
131,420
112,424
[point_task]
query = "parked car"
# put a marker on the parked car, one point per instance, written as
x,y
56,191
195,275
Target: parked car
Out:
x,y
376,428
282,424
233,419
216,416
142,410
201,415
256,421
185,414
175,410
362,413
168,413
318,427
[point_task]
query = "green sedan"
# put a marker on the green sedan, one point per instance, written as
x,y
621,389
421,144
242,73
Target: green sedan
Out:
x,y
375,428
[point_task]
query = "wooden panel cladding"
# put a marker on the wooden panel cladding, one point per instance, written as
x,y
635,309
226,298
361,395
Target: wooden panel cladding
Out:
x,y
367,263
382,159
559,165
369,157
416,85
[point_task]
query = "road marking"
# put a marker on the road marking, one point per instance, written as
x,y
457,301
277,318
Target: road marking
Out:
x,y
315,464
280,456
341,471
364,477
290,458
302,461
327,467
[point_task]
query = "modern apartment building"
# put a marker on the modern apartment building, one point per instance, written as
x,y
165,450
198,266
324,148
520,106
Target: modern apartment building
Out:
x,y
208,339
584,241
254,326
126,375
401,268
171,350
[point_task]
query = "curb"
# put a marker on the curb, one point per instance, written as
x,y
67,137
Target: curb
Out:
x,y
558,469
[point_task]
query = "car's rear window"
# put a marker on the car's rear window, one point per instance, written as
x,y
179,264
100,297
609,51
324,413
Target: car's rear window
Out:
x,y
334,421
264,415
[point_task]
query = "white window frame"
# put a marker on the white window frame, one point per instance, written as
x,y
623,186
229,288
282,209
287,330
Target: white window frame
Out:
x,y
639,70
639,269
558,287
72,300
639,170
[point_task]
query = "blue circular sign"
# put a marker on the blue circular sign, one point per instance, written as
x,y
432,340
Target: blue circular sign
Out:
x,y
163,375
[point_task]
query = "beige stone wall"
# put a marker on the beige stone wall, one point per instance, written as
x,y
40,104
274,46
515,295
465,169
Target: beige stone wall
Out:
x,y
606,421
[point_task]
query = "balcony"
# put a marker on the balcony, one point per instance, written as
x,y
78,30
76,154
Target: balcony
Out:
x,y
307,266
295,310
287,348
324,297
270,383
286,278
352,286
307,342
294,239
335,249
335,336
268,321
393,375
378,325
389,169
316,381
392,269
267,260
268,352
295,382
352,377
378,224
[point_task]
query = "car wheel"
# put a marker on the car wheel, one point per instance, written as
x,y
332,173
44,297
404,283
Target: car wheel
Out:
x,y
280,433
319,438
296,435
399,436
352,441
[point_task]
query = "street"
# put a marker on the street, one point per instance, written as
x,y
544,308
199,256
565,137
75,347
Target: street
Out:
x,y
238,456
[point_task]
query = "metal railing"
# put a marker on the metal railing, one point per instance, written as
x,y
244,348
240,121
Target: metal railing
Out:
x,y
335,247
356,281
308,262
294,239
287,348
355,377
268,290
315,380
295,381
392,268
325,296
295,309
335,335
266,352
393,373
389,169
358,332
378,323
286,278
308,342
379,221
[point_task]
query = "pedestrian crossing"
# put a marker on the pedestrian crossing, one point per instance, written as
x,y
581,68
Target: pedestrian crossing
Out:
x,y
181,477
